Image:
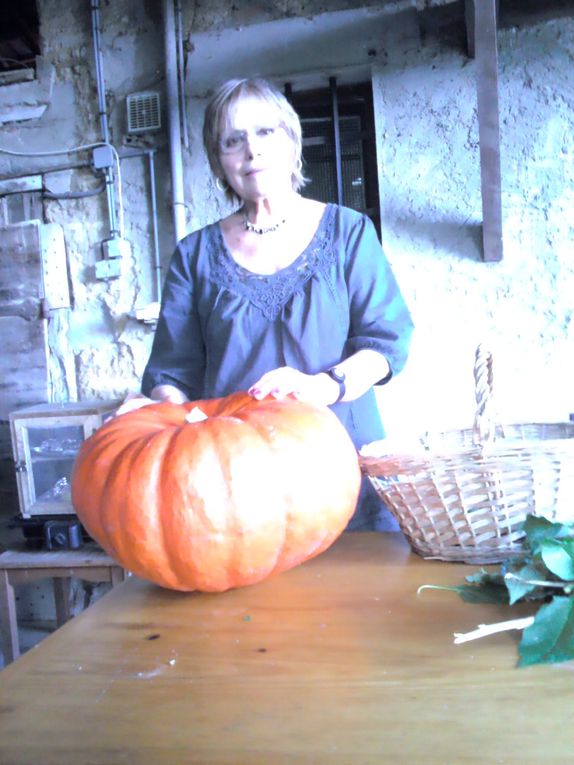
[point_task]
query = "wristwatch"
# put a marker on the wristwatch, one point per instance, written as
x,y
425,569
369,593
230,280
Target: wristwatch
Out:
x,y
339,377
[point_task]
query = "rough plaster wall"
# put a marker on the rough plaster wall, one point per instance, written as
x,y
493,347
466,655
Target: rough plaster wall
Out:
x,y
206,202
221,14
430,193
108,346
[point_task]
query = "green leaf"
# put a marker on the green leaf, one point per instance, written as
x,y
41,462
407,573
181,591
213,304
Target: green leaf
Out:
x,y
538,529
558,557
521,581
484,593
485,577
551,637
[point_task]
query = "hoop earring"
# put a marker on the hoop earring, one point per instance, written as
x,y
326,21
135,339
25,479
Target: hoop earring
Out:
x,y
220,185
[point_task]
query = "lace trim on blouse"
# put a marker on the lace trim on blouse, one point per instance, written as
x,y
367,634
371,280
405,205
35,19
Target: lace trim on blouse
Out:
x,y
270,292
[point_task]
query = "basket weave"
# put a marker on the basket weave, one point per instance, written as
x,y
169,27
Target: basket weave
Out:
x,y
465,496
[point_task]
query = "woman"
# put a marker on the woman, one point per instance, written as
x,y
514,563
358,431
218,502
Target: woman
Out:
x,y
284,296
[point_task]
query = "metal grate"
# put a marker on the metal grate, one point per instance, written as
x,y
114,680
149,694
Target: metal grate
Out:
x,y
343,170
144,112
319,161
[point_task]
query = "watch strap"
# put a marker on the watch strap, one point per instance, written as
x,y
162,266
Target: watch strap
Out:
x,y
339,377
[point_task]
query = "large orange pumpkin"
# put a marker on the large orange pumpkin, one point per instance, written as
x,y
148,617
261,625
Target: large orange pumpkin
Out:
x,y
255,488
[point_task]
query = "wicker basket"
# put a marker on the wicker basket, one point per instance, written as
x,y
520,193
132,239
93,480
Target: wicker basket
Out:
x,y
465,495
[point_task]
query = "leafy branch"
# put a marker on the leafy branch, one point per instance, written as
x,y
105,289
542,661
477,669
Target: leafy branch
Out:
x,y
545,573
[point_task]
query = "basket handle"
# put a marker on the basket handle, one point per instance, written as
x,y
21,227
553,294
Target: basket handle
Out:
x,y
484,429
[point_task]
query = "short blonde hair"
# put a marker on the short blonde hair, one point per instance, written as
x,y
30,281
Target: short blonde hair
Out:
x,y
216,116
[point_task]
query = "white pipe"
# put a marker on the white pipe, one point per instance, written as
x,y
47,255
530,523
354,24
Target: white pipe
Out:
x,y
174,120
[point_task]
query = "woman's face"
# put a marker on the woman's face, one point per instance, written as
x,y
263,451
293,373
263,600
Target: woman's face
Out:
x,y
256,153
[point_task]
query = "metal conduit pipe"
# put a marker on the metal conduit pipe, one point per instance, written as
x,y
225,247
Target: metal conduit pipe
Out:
x,y
174,120
156,263
96,37
108,171
124,154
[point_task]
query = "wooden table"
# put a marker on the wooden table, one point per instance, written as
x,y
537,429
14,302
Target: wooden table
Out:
x,y
21,566
337,661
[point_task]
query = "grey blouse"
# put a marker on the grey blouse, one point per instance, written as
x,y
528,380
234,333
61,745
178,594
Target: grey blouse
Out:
x,y
221,326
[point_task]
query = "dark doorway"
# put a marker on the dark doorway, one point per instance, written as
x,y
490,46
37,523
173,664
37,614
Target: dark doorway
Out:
x,y
339,147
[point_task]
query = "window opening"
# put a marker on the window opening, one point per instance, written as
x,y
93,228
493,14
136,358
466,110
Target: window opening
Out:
x,y
19,36
339,148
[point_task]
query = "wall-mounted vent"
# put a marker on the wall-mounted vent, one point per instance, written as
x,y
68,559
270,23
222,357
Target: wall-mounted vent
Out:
x,y
144,113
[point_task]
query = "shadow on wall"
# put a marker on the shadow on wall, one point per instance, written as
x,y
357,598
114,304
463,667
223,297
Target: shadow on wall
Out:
x,y
462,239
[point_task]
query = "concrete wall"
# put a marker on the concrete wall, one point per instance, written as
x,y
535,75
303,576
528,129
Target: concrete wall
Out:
x,y
430,184
430,190
108,345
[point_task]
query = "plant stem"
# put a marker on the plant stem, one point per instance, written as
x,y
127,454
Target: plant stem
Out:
x,y
539,582
435,587
490,629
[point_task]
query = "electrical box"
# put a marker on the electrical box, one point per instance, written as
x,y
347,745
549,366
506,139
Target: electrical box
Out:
x,y
45,441
113,250
102,157
108,269
116,247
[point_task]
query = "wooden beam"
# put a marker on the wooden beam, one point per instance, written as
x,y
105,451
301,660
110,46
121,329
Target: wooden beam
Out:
x,y
485,26
336,138
469,23
470,26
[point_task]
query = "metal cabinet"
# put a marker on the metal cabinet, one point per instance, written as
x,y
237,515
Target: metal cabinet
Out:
x,y
45,441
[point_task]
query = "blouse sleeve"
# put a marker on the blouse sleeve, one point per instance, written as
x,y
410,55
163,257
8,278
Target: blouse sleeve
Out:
x,y
178,353
379,317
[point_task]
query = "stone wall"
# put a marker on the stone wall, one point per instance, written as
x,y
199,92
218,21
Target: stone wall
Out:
x,y
109,346
430,185
430,190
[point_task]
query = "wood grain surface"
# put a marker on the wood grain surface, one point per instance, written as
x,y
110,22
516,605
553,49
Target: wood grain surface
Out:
x,y
337,661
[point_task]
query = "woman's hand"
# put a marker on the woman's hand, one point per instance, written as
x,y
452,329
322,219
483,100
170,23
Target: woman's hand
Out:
x,y
132,401
159,393
317,389
362,370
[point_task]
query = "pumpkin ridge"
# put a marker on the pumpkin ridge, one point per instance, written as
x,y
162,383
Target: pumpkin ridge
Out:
x,y
126,547
266,431
113,447
248,429
182,437
258,417
183,563
218,439
217,434
95,450
179,572
297,437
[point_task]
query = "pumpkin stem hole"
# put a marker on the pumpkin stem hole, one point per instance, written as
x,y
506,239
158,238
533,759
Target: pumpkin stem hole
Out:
x,y
195,415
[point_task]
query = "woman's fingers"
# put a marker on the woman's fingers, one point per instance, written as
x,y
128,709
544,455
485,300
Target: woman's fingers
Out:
x,y
131,402
316,389
277,383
